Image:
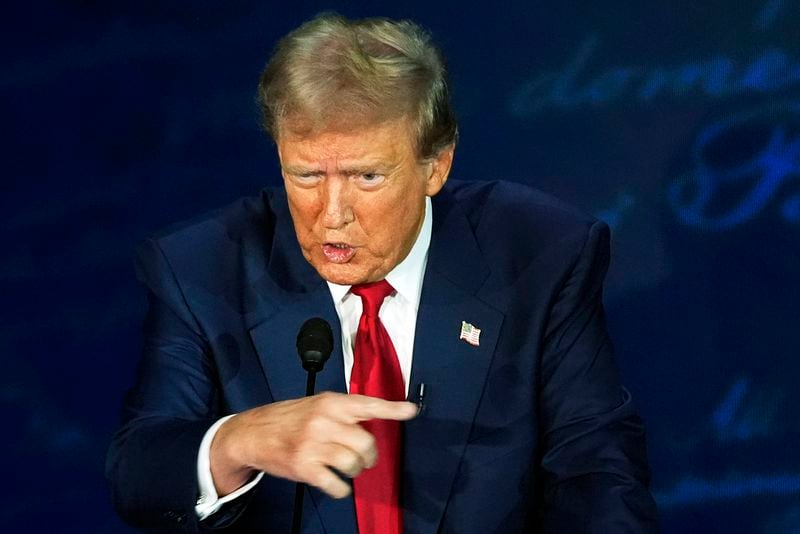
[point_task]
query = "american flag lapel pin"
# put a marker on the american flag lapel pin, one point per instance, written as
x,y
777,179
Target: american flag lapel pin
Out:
x,y
470,334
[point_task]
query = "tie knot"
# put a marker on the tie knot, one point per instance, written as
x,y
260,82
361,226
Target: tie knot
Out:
x,y
372,295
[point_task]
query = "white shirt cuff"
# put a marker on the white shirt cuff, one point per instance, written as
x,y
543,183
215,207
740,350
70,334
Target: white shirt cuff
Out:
x,y
208,502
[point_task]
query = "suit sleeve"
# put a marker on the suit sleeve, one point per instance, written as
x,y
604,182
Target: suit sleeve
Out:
x,y
152,462
594,457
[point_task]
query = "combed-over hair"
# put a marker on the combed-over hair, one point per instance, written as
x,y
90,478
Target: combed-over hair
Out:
x,y
332,72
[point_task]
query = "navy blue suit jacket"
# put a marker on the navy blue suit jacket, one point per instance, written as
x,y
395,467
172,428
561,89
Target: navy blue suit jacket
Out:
x,y
530,431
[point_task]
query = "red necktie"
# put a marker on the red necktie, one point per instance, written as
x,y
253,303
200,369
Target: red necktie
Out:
x,y
376,372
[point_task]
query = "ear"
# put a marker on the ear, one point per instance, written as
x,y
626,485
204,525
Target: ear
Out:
x,y
439,170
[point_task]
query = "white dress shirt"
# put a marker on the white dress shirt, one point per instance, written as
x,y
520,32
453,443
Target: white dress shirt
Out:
x,y
398,315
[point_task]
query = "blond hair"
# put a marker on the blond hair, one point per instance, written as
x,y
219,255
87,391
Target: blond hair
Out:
x,y
332,72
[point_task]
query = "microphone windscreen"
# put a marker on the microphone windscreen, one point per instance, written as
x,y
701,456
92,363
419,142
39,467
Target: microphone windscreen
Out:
x,y
315,343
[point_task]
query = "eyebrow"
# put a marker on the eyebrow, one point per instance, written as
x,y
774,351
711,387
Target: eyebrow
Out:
x,y
364,169
294,169
377,168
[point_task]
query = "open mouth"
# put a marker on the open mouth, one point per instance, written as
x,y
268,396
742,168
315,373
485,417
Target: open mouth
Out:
x,y
338,252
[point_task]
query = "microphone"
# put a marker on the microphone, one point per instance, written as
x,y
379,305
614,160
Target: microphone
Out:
x,y
314,346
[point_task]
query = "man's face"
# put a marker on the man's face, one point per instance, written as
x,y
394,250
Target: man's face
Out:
x,y
357,197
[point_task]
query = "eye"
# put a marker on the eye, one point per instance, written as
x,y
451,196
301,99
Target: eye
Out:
x,y
305,179
370,179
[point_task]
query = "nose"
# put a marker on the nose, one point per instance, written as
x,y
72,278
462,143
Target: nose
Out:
x,y
337,210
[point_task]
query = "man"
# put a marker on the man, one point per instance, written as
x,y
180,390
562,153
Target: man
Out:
x,y
484,296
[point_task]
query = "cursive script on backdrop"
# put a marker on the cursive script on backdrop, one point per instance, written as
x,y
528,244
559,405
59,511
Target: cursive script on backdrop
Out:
x,y
741,164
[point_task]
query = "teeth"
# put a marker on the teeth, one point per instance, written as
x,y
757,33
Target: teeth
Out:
x,y
339,245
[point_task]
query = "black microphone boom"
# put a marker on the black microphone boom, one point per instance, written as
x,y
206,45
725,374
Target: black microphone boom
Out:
x,y
314,345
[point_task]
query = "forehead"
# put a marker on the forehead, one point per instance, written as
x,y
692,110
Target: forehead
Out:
x,y
358,142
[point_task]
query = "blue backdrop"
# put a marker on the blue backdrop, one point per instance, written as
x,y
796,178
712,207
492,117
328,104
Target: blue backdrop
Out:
x,y
676,122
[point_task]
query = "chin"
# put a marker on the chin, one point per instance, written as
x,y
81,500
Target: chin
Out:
x,y
340,274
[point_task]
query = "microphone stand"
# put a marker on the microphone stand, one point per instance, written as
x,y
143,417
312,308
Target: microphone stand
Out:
x,y
314,346
300,488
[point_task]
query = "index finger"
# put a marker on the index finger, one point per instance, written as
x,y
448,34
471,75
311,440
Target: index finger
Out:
x,y
363,408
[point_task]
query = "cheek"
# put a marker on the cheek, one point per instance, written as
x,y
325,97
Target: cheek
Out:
x,y
303,229
304,212
390,230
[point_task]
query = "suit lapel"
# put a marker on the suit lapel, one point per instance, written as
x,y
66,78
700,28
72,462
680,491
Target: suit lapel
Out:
x,y
275,339
452,370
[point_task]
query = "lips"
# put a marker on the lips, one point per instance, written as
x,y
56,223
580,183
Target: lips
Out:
x,y
338,252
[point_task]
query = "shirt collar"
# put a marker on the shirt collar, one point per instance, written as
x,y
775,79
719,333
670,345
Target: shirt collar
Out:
x,y
406,277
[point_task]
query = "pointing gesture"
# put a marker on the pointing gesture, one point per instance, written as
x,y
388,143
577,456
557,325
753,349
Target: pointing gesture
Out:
x,y
302,440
